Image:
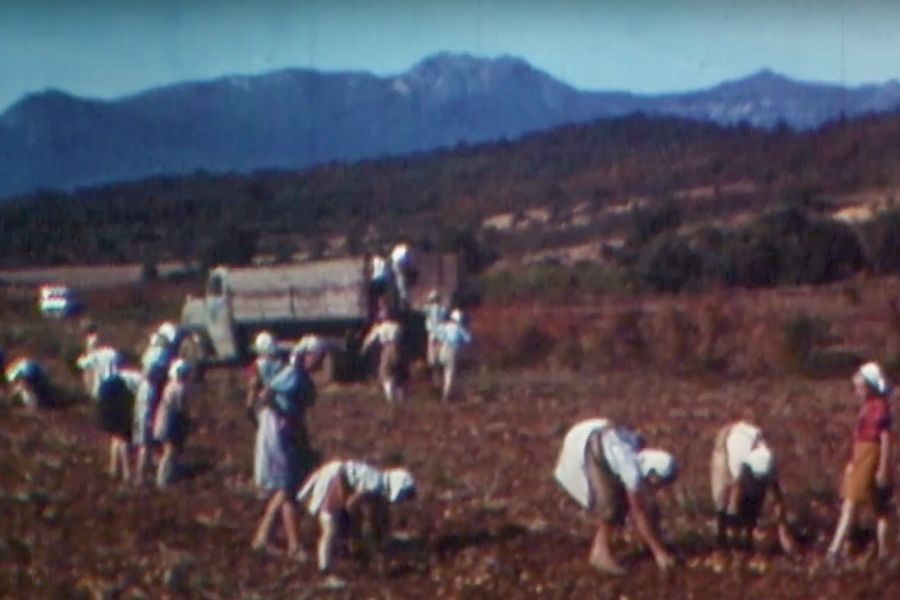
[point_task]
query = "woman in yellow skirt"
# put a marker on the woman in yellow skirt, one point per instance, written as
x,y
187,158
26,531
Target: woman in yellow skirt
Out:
x,y
867,477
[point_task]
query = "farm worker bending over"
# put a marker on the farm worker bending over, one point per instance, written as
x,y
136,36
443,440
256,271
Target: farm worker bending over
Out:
x,y
351,499
29,382
284,453
742,470
604,468
867,477
155,363
435,314
114,404
452,335
403,268
392,368
170,425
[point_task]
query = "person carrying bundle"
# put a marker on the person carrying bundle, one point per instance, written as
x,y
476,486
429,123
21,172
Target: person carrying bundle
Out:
x,y
283,452
742,471
607,470
350,499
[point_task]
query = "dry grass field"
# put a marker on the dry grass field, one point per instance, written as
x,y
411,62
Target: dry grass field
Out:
x,y
489,521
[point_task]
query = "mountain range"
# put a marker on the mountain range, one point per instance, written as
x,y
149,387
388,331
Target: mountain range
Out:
x,y
298,118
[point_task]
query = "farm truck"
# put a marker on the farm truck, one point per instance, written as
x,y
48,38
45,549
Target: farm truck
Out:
x,y
330,298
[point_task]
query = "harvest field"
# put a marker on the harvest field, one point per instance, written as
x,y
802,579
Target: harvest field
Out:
x,y
489,521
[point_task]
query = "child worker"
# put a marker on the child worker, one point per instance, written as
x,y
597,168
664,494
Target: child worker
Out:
x,y
867,477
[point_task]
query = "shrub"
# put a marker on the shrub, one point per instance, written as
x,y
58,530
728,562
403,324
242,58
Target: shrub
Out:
x,y
649,222
801,334
882,249
669,264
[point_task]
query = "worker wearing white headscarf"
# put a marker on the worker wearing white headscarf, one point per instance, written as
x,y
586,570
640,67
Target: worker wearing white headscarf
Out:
x,y
606,470
403,268
114,404
170,426
435,314
351,498
155,363
452,336
742,471
29,382
284,454
868,477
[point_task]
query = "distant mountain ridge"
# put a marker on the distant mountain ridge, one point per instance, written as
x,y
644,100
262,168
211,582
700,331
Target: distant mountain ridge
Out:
x,y
296,118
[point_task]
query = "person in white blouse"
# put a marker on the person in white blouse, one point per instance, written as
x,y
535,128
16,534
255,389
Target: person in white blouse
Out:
x,y
607,470
452,335
742,471
351,498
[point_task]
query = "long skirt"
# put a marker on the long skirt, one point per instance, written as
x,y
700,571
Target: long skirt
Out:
x,y
607,497
114,405
174,427
145,403
859,483
277,457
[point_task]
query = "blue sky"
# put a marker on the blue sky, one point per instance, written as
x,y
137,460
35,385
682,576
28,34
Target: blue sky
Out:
x,y
108,48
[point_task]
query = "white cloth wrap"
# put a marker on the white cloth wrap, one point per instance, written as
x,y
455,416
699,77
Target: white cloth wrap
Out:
x,y
570,466
742,437
360,476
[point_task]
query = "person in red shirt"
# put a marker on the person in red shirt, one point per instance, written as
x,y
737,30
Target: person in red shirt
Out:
x,y
867,477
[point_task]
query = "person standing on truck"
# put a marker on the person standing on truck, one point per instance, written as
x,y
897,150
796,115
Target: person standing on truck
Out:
x,y
607,470
742,471
285,447
403,267
435,314
350,499
452,335
393,370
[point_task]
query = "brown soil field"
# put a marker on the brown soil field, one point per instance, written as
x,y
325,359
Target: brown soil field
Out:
x,y
489,521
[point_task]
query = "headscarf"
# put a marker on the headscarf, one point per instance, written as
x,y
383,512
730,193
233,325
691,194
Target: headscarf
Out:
x,y
398,484
760,461
168,330
264,344
872,374
658,462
